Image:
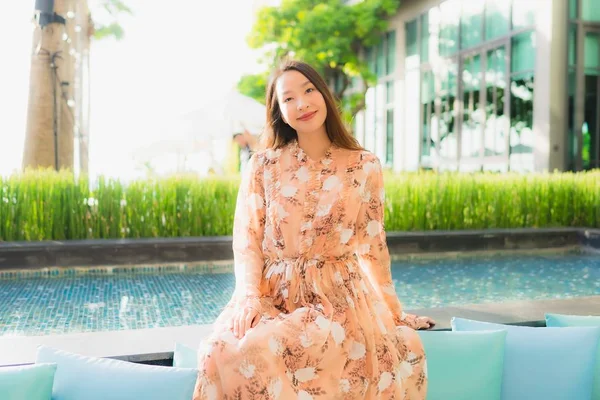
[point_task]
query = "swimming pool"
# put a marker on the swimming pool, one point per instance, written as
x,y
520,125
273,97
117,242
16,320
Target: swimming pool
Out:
x,y
85,303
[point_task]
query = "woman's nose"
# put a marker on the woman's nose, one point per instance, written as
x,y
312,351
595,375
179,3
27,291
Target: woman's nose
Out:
x,y
301,104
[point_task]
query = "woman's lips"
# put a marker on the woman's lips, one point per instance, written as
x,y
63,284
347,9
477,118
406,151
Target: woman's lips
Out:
x,y
307,116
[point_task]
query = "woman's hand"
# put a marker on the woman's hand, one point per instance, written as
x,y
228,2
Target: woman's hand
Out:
x,y
243,319
425,323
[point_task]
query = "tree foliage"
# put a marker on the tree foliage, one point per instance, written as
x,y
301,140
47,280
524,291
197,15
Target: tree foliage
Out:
x,y
106,15
254,86
327,34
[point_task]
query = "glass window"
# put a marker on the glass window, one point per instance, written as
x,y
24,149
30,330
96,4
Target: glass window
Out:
x,y
370,119
496,128
472,113
390,54
571,119
471,23
590,122
425,37
523,52
521,122
381,67
410,118
379,140
370,57
573,9
523,12
389,137
591,50
572,44
448,109
411,38
389,92
430,25
427,112
497,18
590,11
412,49
449,20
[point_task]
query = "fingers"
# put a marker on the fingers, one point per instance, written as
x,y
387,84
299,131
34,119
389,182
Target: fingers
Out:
x,y
241,324
248,322
255,320
244,320
236,326
429,323
425,323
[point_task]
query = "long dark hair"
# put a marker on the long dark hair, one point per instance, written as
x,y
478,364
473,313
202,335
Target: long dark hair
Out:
x,y
277,133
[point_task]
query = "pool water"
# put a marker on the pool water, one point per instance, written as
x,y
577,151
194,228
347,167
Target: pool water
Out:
x,y
85,303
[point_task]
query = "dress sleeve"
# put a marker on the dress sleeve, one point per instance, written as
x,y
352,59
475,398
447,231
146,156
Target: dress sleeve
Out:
x,y
248,232
372,250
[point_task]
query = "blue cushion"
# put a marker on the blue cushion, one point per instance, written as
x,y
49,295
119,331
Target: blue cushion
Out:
x,y
79,377
464,365
544,363
184,356
566,321
29,382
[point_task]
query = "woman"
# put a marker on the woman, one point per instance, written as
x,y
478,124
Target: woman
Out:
x,y
314,314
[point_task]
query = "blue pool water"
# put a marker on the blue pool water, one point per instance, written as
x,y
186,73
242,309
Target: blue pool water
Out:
x,y
40,306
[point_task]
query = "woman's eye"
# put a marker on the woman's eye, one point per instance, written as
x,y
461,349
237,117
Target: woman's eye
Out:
x,y
287,99
309,90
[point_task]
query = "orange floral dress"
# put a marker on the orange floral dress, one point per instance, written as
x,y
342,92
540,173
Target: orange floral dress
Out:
x,y
311,256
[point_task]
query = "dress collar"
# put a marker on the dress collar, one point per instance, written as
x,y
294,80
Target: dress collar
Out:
x,y
303,158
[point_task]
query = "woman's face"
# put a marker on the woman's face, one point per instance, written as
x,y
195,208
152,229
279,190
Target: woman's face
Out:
x,y
302,105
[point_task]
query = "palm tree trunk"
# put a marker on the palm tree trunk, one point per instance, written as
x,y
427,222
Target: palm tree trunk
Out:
x,y
44,118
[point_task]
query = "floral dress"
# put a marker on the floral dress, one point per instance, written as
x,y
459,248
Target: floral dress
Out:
x,y
311,257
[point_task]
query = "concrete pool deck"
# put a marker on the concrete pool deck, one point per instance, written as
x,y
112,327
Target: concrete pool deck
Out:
x,y
156,345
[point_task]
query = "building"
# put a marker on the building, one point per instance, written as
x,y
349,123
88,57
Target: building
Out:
x,y
486,85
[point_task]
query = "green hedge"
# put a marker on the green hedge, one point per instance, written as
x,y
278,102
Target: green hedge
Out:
x,y
45,205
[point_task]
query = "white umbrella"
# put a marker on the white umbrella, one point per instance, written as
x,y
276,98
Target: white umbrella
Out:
x,y
225,116
207,131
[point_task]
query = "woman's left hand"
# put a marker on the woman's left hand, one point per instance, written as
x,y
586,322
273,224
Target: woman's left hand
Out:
x,y
425,323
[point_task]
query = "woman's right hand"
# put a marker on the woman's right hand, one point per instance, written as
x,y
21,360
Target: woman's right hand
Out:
x,y
243,319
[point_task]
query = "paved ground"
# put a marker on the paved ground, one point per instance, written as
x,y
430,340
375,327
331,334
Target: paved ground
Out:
x,y
149,345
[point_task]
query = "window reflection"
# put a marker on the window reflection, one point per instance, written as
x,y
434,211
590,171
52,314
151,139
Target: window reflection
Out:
x,y
521,122
428,113
491,118
523,13
497,18
412,46
389,137
572,44
430,30
496,120
369,142
590,10
573,9
590,146
450,17
390,49
523,52
471,23
472,113
571,119
448,111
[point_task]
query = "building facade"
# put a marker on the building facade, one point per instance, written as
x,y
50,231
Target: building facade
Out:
x,y
486,85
